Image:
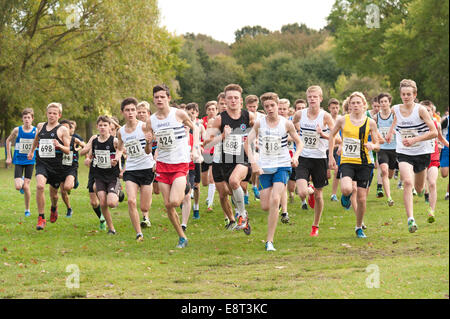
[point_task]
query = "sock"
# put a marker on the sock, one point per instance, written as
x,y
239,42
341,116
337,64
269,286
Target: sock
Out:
x,y
304,201
246,193
53,208
140,234
183,225
97,211
211,192
410,218
195,206
238,195
379,186
356,228
69,209
145,217
254,188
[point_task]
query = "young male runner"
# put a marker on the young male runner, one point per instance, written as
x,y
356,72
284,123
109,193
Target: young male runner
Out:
x,y
356,163
333,108
314,125
106,169
283,111
413,130
274,163
138,175
168,126
208,154
23,136
234,125
387,157
71,160
52,140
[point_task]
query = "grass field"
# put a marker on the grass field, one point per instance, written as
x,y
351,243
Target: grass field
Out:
x,y
219,263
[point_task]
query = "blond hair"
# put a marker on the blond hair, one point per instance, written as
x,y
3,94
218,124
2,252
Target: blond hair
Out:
x,y
314,88
144,104
345,105
251,99
232,87
55,105
406,83
285,101
360,95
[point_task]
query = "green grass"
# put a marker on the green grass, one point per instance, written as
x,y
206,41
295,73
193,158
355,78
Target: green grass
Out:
x,y
219,263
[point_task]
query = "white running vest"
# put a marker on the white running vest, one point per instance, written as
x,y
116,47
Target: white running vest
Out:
x,y
134,144
314,145
171,137
272,143
408,127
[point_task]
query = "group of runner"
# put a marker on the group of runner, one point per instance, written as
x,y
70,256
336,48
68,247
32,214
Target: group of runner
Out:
x,y
280,150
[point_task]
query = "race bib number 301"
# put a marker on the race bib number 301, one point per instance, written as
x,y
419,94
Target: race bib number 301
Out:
x,y
46,148
232,144
134,149
351,147
103,158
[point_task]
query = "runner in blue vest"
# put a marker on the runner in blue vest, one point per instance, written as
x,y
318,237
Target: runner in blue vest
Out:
x,y
23,137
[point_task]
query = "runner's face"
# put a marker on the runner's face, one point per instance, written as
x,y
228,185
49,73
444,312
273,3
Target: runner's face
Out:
x,y
252,107
142,114
314,98
375,107
129,112
211,111
112,129
334,109
271,108
385,105
27,119
233,100
356,105
300,106
193,114
103,128
283,109
222,105
53,115
407,95
161,99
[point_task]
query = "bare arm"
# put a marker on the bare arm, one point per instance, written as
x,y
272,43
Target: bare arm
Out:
x,y
374,145
87,146
35,142
337,127
12,137
249,149
65,138
290,128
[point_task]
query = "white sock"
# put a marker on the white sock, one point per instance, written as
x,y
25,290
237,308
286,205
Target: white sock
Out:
x,y
304,201
211,192
410,218
195,206
238,195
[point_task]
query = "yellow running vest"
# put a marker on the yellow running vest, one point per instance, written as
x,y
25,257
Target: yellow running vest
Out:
x,y
353,140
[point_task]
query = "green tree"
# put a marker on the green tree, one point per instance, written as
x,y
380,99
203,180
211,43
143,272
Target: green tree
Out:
x,y
251,32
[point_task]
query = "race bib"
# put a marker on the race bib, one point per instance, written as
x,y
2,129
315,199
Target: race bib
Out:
x,y
408,133
25,145
351,147
271,145
290,145
232,144
134,148
67,159
166,140
46,148
384,131
310,139
103,158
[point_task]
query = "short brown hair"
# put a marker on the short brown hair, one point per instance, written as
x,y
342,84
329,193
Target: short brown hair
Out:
x,y
191,106
299,101
382,95
28,110
128,101
269,96
209,103
232,87
333,101
427,103
104,118
220,96
161,87
251,99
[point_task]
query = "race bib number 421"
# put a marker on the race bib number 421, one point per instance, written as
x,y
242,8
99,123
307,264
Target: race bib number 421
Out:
x,y
134,148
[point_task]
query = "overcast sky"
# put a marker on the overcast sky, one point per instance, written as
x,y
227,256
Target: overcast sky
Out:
x,y
221,18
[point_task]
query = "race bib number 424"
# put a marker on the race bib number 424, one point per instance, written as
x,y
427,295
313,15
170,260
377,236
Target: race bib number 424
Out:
x,y
166,140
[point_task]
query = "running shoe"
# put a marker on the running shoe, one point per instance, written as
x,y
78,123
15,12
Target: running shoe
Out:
x,y
121,196
314,231
145,223
304,206
196,214
346,202
427,198
412,226
446,196
256,192
380,193
431,218
102,223
210,208
69,212
139,238
27,213
360,233
230,225
334,198
76,184
311,199
21,190
182,242
422,193
41,223
400,185
285,218
247,229
396,174
246,199
364,227
241,223
269,246
111,232
184,227
390,202
414,192
53,216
